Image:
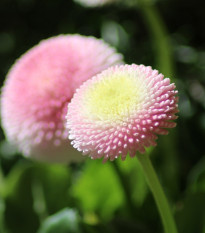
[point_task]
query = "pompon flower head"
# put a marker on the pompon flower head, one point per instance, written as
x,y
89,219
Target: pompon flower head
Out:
x,y
94,3
38,88
121,111
99,3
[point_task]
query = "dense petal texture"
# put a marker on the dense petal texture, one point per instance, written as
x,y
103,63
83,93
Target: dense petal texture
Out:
x,y
121,111
38,88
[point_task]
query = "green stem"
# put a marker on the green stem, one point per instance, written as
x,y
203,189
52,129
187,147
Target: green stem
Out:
x,y
159,196
39,203
160,38
165,64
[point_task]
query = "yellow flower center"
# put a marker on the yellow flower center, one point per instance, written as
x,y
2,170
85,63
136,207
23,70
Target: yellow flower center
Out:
x,y
114,96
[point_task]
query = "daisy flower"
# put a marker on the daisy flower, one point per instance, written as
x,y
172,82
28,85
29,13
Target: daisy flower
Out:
x,y
95,3
121,111
38,88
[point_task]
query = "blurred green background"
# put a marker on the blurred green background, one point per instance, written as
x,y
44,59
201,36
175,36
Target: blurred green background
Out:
x,y
91,197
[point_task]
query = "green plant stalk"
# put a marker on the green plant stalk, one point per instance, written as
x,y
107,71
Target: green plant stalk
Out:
x,y
158,193
39,202
160,38
165,64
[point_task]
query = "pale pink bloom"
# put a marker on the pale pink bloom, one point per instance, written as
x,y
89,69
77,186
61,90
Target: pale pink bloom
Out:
x,y
121,111
99,3
94,3
38,88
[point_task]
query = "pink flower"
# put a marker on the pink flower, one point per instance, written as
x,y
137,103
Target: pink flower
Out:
x,y
39,87
121,111
94,3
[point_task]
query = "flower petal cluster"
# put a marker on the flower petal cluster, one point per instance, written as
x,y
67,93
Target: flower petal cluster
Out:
x,y
99,3
121,111
95,3
38,88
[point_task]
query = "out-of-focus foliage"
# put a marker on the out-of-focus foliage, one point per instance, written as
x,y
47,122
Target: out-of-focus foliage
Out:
x,y
98,189
92,197
67,220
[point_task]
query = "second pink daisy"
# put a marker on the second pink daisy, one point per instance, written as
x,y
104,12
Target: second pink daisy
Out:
x,y
38,88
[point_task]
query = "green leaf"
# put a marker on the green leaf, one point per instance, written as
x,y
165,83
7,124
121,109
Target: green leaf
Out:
x,y
65,221
98,189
